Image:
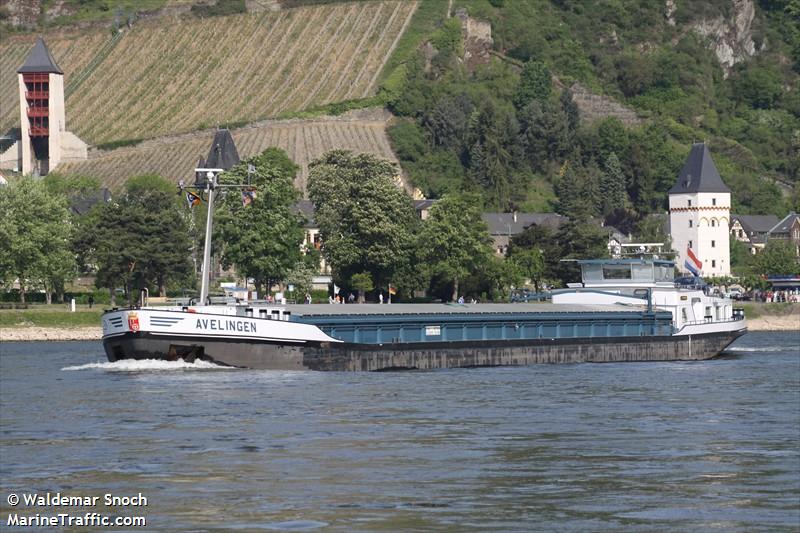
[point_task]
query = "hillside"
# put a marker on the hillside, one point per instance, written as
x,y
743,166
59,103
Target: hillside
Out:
x,y
491,111
506,99
303,139
170,75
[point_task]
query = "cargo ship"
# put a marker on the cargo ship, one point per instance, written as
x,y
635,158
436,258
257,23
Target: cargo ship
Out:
x,y
622,310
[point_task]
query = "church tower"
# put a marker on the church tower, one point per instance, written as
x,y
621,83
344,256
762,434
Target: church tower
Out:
x,y
41,101
699,216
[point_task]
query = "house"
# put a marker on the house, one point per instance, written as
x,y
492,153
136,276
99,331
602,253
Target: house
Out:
x,y
504,226
752,230
788,229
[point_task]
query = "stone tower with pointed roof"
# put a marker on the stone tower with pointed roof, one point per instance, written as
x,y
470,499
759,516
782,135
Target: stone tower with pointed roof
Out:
x,y
44,141
699,214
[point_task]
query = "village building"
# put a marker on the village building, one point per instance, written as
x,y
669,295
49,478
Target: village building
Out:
x,y
699,212
788,230
505,226
752,230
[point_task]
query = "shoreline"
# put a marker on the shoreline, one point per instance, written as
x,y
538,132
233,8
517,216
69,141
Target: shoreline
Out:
x,y
95,333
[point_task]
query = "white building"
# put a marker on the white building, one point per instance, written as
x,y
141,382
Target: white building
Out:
x,y
699,214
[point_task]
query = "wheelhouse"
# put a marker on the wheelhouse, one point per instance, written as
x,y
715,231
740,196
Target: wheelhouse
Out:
x,y
616,272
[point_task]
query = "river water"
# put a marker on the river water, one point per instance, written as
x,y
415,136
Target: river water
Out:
x,y
711,445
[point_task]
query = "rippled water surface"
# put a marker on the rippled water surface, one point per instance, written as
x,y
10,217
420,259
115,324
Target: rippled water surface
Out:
x,y
708,445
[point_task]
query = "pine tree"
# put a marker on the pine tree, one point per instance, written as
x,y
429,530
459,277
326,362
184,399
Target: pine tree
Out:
x,y
612,186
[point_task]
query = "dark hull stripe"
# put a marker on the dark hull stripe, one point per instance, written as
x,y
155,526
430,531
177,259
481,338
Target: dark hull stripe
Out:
x,y
273,354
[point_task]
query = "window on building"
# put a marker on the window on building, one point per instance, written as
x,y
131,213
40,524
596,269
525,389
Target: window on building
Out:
x,y
690,203
690,223
740,234
713,244
690,244
713,201
713,263
713,223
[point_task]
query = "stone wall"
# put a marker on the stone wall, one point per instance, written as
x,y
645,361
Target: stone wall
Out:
x,y
478,40
597,107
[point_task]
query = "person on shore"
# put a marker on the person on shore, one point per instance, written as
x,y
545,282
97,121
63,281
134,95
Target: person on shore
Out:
x,y
380,297
91,301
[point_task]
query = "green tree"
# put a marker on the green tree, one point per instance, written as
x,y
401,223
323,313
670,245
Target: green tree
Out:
x,y
302,276
758,85
651,229
531,263
777,258
535,83
741,258
454,240
579,240
140,241
578,191
494,152
545,133
263,239
542,240
366,221
147,183
35,232
612,186
362,282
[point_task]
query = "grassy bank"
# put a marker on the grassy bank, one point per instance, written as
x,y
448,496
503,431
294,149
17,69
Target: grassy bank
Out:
x,y
756,310
56,316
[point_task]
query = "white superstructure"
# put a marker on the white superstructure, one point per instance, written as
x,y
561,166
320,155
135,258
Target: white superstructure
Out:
x,y
647,282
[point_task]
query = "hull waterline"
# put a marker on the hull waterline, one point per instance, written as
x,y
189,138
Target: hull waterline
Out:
x,y
326,356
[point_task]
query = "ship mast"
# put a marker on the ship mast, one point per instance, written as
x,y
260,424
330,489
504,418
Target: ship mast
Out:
x,y
209,184
206,179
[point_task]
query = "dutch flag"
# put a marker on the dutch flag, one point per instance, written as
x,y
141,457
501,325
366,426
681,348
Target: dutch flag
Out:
x,y
692,263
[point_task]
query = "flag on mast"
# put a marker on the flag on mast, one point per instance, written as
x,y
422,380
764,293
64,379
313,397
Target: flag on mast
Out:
x,y
192,199
692,263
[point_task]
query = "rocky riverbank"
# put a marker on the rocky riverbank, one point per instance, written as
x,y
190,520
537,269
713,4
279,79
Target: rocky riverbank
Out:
x,y
34,333
762,323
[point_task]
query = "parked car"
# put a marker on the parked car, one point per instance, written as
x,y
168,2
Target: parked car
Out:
x,y
735,293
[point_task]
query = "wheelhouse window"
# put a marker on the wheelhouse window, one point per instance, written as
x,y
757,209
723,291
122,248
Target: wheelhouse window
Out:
x,y
616,272
642,272
664,273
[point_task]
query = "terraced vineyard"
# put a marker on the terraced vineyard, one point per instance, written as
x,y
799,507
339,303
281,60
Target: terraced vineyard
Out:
x,y
165,78
72,54
304,140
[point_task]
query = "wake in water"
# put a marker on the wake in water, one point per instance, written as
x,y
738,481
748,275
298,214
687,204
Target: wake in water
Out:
x,y
756,349
139,365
